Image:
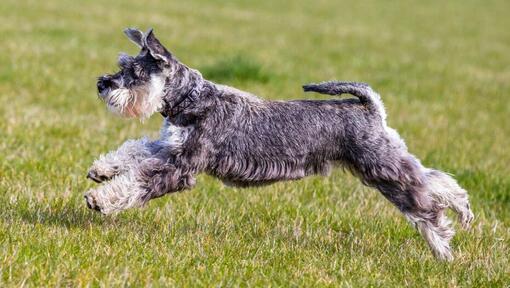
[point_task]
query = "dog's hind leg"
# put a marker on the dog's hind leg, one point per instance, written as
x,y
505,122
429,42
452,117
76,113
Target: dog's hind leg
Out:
x,y
404,182
426,215
436,229
446,191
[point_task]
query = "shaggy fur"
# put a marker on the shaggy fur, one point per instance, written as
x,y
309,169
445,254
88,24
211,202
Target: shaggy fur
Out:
x,y
244,141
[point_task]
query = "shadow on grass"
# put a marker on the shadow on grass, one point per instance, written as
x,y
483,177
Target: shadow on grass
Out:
x,y
63,214
69,217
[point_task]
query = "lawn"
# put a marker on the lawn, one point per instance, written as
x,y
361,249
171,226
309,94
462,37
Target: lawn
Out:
x,y
442,68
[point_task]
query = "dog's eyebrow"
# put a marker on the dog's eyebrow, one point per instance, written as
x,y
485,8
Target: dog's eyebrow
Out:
x,y
125,59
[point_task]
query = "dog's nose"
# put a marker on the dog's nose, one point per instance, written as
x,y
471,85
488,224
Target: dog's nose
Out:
x,y
102,85
91,203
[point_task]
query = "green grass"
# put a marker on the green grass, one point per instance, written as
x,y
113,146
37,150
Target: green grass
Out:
x,y
237,68
442,68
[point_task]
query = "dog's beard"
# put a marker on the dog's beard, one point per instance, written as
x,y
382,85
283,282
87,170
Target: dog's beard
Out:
x,y
123,102
139,102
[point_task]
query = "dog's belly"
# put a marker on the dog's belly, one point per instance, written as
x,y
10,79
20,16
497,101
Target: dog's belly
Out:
x,y
257,172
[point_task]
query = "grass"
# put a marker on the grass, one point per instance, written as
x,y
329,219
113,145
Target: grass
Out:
x,y
442,69
237,68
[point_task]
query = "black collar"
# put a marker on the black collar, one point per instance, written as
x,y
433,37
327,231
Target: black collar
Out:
x,y
176,107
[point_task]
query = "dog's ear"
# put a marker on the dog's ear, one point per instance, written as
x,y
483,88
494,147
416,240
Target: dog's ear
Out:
x,y
134,35
157,50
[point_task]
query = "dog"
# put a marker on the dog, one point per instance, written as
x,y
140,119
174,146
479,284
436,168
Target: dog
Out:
x,y
244,141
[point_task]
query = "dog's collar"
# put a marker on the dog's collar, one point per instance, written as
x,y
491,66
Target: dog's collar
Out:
x,y
181,103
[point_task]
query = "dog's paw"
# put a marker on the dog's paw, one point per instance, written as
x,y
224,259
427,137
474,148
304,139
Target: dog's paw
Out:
x,y
121,193
466,217
101,175
91,201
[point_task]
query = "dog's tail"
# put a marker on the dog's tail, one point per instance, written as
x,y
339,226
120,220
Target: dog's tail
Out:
x,y
366,95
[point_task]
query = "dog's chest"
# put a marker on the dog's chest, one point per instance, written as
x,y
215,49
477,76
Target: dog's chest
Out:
x,y
173,135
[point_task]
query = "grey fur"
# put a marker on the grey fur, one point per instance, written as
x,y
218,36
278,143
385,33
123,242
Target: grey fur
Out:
x,y
244,140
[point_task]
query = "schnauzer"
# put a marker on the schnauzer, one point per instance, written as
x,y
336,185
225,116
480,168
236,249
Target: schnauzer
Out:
x,y
244,141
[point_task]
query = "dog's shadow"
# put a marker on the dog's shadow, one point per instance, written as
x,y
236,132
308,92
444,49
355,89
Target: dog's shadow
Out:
x,y
69,216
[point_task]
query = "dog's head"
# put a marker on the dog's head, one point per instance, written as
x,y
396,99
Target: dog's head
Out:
x,y
137,90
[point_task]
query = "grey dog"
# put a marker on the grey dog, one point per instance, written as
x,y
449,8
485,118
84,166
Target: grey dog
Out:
x,y
244,141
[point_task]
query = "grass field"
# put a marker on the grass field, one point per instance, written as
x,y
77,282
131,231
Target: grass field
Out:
x,y
442,68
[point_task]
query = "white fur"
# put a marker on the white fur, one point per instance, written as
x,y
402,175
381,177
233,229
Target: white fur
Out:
x,y
392,133
174,136
118,100
437,236
125,158
149,99
154,101
447,194
444,189
122,192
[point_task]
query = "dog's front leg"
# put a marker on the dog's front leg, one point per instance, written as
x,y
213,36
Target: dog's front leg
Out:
x,y
152,178
122,192
161,177
117,162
